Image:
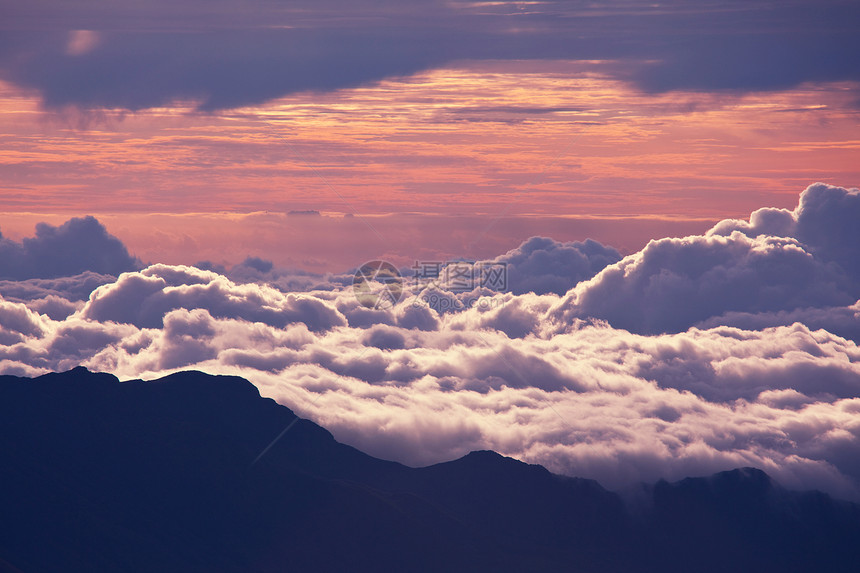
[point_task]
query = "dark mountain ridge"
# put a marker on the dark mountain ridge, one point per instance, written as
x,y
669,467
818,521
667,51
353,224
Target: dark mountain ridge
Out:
x,y
102,475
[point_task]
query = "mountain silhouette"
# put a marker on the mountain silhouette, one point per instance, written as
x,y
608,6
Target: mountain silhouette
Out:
x,y
166,476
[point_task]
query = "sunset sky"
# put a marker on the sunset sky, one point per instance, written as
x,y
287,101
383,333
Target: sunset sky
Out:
x,y
191,128
192,184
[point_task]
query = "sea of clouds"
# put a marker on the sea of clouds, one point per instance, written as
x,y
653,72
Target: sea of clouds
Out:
x,y
691,356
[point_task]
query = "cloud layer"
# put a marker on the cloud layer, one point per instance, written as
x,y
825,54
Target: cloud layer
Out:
x,y
542,265
694,355
78,245
778,261
133,57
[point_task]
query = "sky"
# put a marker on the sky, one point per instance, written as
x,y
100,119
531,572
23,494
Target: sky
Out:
x,y
449,129
669,188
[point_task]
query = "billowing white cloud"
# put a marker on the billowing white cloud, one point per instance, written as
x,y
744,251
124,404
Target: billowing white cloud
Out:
x,y
692,356
72,288
738,267
673,284
825,221
144,298
542,265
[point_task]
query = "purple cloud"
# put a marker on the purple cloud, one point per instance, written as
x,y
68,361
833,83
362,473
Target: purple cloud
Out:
x,y
144,298
542,265
132,56
673,284
77,246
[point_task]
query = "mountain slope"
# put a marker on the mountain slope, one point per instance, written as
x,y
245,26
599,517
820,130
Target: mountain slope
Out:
x,y
99,475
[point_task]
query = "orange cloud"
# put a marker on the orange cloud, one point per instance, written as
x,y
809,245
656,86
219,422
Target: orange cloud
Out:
x,y
484,139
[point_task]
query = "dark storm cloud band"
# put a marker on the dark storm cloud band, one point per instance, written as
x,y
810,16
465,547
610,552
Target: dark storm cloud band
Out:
x,y
229,55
